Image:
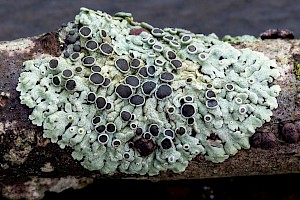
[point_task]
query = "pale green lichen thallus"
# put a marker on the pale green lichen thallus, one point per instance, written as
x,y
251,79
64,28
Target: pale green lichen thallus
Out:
x,y
131,98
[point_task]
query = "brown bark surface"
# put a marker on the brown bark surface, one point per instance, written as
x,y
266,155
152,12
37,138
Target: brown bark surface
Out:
x,y
25,154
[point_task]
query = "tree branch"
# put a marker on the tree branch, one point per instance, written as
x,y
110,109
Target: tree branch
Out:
x,y
24,153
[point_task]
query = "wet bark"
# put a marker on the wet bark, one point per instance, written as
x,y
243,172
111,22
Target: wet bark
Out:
x,y
25,155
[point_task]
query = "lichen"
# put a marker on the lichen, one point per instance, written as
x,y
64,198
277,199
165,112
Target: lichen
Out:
x,y
131,98
239,39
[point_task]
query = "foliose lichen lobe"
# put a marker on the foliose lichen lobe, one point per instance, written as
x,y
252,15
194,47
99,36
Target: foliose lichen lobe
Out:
x,y
150,101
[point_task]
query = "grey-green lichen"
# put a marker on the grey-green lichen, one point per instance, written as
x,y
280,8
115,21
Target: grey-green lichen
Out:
x,y
131,98
238,39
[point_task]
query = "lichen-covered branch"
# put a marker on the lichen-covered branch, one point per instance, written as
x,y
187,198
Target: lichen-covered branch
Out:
x,y
28,150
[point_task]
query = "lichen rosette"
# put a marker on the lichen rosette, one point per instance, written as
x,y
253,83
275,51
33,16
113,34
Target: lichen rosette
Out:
x,y
131,98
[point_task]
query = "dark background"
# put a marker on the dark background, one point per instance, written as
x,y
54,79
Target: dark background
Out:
x,y
275,187
22,18
25,18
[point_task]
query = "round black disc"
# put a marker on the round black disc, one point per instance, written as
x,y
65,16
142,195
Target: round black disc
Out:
x,y
187,110
70,84
137,100
163,91
148,87
100,103
124,91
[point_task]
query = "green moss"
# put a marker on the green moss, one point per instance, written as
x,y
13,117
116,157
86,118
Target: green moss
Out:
x,y
297,69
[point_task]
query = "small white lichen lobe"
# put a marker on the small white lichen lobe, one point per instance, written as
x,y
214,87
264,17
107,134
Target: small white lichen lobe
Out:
x,y
148,101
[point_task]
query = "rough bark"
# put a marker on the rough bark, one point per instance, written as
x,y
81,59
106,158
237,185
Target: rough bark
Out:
x,y
25,156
